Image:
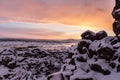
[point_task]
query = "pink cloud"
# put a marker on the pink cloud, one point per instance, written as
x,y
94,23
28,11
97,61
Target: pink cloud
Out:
x,y
90,13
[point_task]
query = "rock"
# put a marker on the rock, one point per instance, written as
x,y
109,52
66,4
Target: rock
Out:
x,y
106,53
116,15
70,55
6,76
81,59
116,27
119,59
115,57
89,35
12,65
81,45
91,53
114,41
113,65
116,10
118,68
106,72
72,61
101,34
98,68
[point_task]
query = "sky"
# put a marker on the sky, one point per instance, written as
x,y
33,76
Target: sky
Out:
x,y
54,19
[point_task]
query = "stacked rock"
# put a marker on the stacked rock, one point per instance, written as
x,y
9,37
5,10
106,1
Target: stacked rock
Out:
x,y
116,16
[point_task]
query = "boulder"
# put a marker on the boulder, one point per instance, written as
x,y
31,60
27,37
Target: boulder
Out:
x,y
88,35
116,27
82,45
101,34
116,10
116,16
106,53
98,68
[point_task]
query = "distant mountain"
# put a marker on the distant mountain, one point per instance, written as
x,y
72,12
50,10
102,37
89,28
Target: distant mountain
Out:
x,y
40,40
71,40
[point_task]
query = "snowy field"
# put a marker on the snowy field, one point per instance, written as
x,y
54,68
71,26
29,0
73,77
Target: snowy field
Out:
x,y
21,60
95,57
54,46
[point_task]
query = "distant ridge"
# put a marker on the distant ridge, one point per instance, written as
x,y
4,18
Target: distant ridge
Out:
x,y
39,40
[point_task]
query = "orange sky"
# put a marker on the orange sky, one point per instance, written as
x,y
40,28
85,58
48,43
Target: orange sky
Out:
x,y
54,19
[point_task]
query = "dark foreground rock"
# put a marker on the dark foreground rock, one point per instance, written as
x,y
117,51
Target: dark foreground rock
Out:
x,y
116,16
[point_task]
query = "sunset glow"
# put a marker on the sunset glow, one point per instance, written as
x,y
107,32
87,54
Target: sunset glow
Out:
x,y
54,19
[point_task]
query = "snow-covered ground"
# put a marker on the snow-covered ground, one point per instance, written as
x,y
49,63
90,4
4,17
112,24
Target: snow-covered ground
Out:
x,y
41,45
95,57
20,60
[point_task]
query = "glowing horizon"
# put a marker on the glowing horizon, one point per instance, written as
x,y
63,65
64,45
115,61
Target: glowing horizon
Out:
x,y
55,19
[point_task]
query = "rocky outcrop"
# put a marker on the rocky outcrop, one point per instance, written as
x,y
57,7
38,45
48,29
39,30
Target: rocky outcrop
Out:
x,y
91,58
96,57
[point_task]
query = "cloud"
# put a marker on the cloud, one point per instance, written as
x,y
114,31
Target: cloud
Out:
x,y
64,11
36,31
82,14
27,29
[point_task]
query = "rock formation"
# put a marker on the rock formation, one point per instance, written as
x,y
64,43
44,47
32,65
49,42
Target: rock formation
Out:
x,y
94,58
116,16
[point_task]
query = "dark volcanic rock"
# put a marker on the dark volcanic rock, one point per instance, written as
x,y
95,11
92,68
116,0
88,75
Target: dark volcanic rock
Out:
x,y
88,35
106,53
81,59
116,10
113,65
100,35
96,67
116,15
116,27
82,45
118,68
